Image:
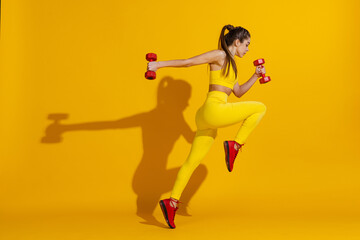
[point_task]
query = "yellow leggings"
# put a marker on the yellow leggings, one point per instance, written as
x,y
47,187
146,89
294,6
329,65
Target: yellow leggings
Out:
x,y
216,112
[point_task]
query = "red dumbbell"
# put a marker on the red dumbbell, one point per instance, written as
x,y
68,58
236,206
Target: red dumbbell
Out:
x,y
264,78
151,75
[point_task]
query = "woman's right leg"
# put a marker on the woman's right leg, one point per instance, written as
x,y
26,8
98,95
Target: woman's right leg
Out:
x,y
254,112
222,115
218,113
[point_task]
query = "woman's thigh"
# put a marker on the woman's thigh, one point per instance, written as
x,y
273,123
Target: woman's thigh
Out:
x,y
225,114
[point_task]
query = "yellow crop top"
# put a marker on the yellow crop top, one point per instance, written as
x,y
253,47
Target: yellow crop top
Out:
x,y
217,78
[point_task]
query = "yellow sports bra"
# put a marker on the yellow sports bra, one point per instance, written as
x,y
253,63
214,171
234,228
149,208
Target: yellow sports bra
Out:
x,y
217,78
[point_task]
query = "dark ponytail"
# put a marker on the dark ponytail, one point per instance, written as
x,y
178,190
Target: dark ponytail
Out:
x,y
226,40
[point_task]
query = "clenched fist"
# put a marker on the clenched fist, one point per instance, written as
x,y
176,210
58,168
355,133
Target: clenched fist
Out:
x,y
260,70
152,66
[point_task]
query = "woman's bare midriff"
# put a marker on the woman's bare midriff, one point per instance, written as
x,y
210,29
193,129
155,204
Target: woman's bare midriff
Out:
x,y
215,87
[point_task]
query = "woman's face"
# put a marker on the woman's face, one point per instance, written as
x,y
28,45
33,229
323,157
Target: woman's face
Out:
x,y
242,48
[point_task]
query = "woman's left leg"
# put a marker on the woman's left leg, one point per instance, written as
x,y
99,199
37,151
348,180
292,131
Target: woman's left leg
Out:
x,y
201,145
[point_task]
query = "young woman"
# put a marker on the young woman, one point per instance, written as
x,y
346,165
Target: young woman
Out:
x,y
216,112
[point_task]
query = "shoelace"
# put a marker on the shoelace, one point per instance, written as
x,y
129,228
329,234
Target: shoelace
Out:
x,y
177,206
174,201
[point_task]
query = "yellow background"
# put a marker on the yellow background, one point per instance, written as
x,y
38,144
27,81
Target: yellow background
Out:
x,y
297,177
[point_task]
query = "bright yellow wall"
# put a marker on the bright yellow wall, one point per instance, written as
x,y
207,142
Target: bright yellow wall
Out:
x,y
86,59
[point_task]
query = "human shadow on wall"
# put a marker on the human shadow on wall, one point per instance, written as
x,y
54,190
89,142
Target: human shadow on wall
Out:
x,y
161,128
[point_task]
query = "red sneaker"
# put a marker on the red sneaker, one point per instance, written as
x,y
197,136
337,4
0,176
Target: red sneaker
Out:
x,y
169,211
231,151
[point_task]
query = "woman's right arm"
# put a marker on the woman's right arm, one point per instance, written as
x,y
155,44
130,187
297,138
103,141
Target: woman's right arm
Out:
x,y
172,63
208,57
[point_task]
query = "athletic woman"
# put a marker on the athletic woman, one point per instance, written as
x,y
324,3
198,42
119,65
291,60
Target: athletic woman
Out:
x,y
216,112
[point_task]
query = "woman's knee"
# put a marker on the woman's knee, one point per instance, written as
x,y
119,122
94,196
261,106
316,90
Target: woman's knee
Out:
x,y
261,107
264,108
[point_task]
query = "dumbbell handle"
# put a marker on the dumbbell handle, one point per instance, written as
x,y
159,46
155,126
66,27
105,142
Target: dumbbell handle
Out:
x,y
264,78
151,57
263,74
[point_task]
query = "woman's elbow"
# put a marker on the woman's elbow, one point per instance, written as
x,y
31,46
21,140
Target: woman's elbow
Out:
x,y
237,93
187,63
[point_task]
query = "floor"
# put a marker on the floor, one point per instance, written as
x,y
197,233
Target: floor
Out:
x,y
204,224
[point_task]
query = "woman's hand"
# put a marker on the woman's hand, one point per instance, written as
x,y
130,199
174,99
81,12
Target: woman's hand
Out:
x,y
152,66
259,71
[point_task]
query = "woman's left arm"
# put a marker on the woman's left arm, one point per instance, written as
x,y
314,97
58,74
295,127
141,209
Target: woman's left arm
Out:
x,y
240,90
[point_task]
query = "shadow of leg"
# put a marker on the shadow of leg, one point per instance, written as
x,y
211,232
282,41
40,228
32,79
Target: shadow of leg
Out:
x,y
145,208
151,189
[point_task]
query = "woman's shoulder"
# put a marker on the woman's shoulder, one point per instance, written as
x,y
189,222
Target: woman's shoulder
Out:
x,y
221,55
219,52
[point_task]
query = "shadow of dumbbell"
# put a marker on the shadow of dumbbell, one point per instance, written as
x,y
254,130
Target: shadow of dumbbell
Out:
x,y
54,130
